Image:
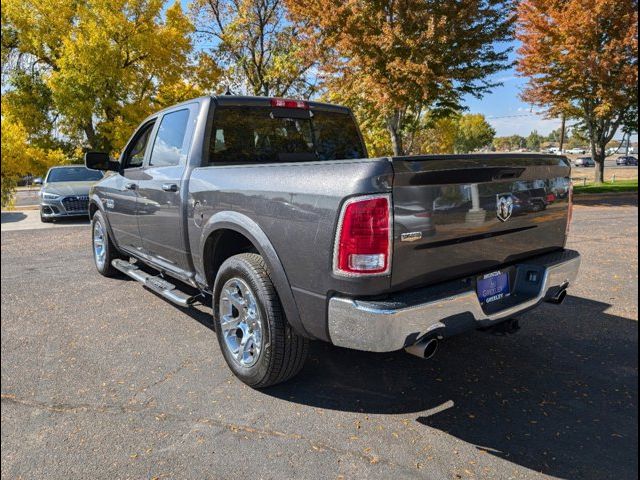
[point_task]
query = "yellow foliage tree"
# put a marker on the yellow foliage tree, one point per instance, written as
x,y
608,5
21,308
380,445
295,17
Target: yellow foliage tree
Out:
x,y
108,63
19,158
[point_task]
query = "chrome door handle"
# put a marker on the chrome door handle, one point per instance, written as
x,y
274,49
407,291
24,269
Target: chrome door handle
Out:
x,y
130,186
169,187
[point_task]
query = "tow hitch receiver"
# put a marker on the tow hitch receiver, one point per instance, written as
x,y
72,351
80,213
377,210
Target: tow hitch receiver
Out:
x,y
505,328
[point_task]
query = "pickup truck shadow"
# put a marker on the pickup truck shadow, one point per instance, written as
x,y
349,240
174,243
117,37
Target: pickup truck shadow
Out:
x,y
559,397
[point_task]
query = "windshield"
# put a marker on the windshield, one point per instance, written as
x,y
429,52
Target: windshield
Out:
x,y
265,135
73,174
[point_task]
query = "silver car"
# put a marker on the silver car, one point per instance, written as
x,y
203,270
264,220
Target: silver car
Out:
x,y
65,191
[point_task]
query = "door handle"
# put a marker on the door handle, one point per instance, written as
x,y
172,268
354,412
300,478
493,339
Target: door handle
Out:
x,y
130,186
169,187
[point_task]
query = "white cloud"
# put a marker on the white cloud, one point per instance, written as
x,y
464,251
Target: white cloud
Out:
x,y
523,124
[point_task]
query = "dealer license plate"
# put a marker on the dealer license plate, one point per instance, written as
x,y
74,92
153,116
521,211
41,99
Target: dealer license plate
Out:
x,y
493,286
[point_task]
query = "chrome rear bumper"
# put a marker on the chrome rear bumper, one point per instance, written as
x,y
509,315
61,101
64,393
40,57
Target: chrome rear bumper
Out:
x,y
393,323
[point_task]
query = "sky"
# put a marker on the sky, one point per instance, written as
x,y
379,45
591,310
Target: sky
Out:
x,y
504,110
508,114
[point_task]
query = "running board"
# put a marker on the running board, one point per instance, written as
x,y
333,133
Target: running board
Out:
x,y
155,283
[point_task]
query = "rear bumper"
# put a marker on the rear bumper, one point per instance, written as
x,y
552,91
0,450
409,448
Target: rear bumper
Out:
x,y
393,323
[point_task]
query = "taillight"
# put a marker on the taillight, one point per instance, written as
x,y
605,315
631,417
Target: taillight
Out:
x,y
570,212
363,239
286,103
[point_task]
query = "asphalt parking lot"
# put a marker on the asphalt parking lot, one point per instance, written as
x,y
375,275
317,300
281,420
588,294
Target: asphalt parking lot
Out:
x,y
102,379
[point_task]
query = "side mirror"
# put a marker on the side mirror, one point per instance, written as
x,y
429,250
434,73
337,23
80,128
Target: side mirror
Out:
x,y
100,161
37,181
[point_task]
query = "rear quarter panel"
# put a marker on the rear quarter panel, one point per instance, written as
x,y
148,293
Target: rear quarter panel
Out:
x,y
296,205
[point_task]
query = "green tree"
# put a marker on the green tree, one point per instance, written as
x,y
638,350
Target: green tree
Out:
x,y
517,142
409,56
533,141
502,144
474,132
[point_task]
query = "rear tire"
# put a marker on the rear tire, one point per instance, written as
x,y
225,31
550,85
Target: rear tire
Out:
x,y
256,340
104,251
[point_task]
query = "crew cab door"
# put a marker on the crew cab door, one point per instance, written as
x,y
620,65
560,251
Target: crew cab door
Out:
x,y
162,189
121,201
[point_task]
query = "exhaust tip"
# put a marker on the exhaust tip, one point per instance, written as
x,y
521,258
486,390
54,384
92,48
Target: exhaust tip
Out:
x,y
423,349
559,298
430,348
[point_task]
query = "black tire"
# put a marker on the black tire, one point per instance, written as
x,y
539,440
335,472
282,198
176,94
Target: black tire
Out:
x,y
110,253
283,352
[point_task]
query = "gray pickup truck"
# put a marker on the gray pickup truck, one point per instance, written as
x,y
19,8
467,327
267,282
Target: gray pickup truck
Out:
x,y
272,209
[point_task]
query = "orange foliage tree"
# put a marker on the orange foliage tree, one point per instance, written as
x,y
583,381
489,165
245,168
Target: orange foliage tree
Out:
x,y
403,57
581,57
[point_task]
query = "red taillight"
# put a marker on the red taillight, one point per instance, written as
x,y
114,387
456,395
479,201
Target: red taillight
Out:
x,y
285,103
570,213
551,198
363,241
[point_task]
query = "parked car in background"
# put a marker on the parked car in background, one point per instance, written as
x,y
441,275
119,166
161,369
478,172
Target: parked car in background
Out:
x,y
627,160
65,191
584,162
577,151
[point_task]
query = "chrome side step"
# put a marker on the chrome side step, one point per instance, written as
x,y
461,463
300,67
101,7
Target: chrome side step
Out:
x,y
155,283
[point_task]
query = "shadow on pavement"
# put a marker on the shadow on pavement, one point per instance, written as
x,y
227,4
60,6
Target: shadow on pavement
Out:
x,y
560,397
72,221
12,217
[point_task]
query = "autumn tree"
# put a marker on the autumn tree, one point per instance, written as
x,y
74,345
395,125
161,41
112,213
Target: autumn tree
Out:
x,y
19,158
452,134
407,56
93,70
474,132
256,45
581,59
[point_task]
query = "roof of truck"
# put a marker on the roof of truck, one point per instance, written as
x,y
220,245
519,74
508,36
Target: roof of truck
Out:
x,y
249,101
243,100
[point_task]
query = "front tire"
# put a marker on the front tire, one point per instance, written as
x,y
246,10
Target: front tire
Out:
x,y
256,340
104,251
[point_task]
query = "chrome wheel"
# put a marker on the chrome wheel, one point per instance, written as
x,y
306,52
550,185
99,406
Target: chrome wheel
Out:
x,y
240,322
99,244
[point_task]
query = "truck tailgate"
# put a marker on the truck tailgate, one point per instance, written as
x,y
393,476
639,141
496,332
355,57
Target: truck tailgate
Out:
x,y
459,215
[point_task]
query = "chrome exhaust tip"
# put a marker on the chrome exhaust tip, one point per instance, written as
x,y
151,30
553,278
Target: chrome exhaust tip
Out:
x,y
559,298
424,348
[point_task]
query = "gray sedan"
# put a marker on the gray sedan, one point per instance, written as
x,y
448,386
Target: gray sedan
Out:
x,y
65,192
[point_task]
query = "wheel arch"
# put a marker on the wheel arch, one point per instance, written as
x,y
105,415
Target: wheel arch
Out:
x,y
229,233
95,205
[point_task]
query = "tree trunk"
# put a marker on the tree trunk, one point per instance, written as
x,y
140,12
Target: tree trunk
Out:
x,y
598,153
393,127
90,132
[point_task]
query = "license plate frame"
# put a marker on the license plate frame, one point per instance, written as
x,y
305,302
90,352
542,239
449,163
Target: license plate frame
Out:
x,y
493,286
